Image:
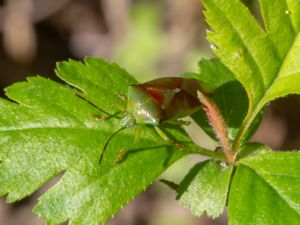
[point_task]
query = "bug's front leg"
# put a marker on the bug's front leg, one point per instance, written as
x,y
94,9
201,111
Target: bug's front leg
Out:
x,y
121,156
106,116
165,137
179,122
122,106
137,137
122,97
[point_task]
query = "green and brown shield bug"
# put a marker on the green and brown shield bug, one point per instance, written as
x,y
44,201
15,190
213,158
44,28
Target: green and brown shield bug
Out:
x,y
162,100
157,102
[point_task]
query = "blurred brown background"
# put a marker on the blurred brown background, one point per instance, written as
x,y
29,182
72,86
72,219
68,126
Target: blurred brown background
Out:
x,y
149,38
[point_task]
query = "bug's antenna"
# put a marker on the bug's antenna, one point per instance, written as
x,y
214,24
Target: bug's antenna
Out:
x,y
109,140
95,106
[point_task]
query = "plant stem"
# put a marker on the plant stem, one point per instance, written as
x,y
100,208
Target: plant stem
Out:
x,y
244,127
209,153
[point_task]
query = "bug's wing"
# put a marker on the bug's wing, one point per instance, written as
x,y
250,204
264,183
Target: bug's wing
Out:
x,y
182,101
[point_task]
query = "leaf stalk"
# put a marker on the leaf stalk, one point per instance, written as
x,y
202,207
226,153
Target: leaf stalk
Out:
x,y
244,127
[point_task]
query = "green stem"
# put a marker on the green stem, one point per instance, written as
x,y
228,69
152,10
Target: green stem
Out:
x,y
245,126
209,153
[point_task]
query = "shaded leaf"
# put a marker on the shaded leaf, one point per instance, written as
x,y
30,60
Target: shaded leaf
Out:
x,y
227,93
204,189
213,74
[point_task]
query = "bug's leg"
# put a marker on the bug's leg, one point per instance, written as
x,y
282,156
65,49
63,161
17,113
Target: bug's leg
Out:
x,y
179,122
98,117
164,136
122,97
121,107
184,122
108,141
121,156
106,116
137,135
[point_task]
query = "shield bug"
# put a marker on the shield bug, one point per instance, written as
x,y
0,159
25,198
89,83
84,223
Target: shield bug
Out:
x,y
159,101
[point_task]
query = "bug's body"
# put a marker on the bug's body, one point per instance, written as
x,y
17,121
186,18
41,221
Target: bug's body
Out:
x,y
162,100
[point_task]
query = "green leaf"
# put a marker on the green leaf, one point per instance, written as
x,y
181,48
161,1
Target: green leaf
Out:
x,y
50,129
265,190
99,81
205,188
279,16
267,64
227,93
252,149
